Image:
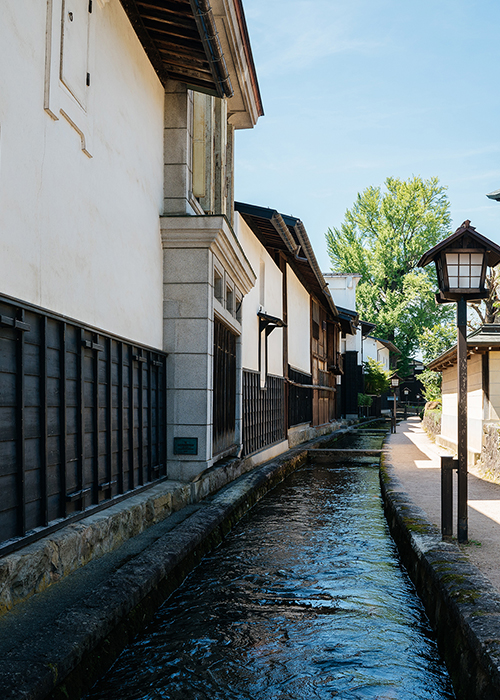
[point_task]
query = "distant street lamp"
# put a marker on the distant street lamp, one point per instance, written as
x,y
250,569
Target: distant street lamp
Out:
x,y
395,379
406,391
461,261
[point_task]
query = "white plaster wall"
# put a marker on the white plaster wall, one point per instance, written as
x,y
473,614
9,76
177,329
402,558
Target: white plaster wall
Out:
x,y
370,349
80,235
353,343
299,324
449,415
383,355
343,289
373,348
474,403
273,302
274,306
494,412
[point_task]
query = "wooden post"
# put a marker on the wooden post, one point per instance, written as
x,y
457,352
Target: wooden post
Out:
x,y
447,466
462,528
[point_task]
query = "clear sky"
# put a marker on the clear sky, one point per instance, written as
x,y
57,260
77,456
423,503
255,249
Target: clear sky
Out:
x,y
355,91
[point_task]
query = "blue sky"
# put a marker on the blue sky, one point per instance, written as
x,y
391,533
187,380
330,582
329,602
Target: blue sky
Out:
x,y
355,91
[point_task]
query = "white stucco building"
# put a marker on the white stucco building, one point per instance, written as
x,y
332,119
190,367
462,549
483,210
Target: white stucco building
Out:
x,y
291,336
117,127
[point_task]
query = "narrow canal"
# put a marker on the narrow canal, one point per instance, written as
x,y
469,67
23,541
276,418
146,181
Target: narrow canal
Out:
x,y
305,599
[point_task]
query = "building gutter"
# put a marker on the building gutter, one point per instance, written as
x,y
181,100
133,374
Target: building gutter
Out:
x,y
279,224
307,248
208,31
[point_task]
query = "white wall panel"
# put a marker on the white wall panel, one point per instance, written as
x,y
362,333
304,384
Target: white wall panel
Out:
x,y
299,324
80,231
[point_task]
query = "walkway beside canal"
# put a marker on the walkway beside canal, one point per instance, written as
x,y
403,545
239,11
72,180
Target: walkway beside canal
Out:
x,y
416,463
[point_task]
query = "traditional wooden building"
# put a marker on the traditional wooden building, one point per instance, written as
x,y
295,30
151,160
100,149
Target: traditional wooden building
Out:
x,y
291,361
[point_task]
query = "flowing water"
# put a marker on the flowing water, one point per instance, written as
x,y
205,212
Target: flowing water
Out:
x,y
304,599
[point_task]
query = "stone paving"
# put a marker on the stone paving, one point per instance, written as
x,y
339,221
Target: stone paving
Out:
x,y
416,463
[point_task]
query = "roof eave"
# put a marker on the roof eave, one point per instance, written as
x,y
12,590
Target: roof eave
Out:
x,y
245,106
219,59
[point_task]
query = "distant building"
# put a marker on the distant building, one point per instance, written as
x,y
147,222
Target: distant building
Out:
x,y
291,351
483,390
357,344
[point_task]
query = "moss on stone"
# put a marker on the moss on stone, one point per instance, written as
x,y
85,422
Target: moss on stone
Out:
x,y
453,578
415,525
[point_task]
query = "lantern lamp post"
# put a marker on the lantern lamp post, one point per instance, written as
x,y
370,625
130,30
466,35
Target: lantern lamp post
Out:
x,y
461,261
406,391
395,379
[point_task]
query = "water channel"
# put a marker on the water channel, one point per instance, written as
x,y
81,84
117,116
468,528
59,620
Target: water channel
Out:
x,y
304,599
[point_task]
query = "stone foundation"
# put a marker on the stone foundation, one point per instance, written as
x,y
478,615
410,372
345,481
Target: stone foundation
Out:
x,y
37,566
488,466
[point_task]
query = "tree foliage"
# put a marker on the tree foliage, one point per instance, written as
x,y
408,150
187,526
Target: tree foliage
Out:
x,y
376,377
431,381
382,238
436,340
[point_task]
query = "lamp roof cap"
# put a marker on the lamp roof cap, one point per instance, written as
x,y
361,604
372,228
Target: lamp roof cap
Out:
x,y
492,249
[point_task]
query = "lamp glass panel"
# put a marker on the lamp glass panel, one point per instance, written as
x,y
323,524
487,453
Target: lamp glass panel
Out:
x,y
464,270
452,269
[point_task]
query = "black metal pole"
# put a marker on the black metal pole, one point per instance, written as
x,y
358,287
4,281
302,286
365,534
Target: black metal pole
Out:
x,y
462,528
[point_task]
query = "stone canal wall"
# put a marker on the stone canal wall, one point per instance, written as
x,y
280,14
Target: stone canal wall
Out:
x,y
463,607
33,568
56,644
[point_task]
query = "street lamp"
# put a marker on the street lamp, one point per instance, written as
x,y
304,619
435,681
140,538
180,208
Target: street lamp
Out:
x,y
461,261
395,379
406,391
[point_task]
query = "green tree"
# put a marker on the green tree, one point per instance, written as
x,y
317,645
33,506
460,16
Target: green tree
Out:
x,y
433,342
376,377
382,238
431,382
436,340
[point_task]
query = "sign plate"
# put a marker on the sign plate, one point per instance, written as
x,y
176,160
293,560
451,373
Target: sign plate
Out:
x,y
185,446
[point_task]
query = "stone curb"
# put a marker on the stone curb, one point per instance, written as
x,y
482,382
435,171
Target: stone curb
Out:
x,y
463,606
45,562
65,660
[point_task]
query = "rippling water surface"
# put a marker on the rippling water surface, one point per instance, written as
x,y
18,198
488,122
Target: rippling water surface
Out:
x,y
305,599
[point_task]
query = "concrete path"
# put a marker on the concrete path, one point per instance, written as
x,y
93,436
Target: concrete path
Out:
x,y
416,462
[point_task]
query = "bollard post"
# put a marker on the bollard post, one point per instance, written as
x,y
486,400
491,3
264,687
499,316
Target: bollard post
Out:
x,y
448,464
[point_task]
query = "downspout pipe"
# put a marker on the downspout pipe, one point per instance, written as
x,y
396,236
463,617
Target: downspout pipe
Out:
x,y
307,248
208,30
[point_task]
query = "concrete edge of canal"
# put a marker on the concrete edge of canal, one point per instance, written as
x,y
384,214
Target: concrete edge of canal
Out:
x,y
463,606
